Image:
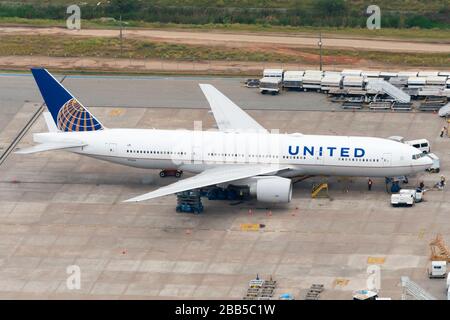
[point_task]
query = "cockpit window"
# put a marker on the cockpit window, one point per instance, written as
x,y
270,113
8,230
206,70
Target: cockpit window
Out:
x,y
418,156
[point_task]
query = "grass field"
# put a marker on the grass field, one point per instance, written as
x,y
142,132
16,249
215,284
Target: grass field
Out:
x,y
63,46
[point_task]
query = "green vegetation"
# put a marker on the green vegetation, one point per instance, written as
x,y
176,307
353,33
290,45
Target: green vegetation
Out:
x,y
59,46
317,13
135,49
418,6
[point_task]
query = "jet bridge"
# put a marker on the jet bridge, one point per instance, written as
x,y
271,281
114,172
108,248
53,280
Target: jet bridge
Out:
x,y
382,86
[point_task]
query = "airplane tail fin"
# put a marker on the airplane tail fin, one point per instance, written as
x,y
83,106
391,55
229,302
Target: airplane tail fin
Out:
x,y
67,112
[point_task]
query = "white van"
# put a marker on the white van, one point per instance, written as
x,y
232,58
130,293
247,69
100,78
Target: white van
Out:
x,y
421,144
448,281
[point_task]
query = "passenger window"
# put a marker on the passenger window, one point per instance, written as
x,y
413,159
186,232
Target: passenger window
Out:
x,y
423,145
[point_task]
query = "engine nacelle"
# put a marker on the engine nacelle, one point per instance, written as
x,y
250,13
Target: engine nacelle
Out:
x,y
271,189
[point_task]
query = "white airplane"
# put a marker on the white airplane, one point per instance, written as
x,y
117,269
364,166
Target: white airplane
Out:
x,y
240,153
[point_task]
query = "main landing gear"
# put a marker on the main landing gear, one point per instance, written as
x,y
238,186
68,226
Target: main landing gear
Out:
x,y
395,183
170,173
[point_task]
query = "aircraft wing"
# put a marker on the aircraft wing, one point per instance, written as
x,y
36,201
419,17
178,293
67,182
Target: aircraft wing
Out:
x,y
229,116
50,146
213,176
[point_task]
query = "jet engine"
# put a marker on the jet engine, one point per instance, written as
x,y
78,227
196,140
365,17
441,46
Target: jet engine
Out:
x,y
271,189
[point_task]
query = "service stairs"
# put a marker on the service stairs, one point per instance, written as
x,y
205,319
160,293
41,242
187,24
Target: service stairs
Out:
x,y
413,289
439,251
320,190
382,86
314,292
260,289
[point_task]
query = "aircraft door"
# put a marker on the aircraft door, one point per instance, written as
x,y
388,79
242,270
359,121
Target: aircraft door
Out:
x,y
196,147
386,159
319,159
196,154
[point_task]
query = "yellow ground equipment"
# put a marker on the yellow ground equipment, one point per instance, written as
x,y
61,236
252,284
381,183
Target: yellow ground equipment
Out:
x,y
250,226
439,251
320,190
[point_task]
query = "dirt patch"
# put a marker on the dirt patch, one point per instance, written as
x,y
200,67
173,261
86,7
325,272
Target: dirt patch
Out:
x,y
174,67
242,39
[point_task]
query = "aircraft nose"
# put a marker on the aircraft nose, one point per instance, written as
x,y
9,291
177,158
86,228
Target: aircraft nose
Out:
x,y
428,161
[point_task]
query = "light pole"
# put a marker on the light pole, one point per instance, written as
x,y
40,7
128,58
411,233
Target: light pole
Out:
x,y
320,49
121,37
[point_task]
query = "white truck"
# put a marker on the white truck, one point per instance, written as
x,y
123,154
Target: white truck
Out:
x,y
352,82
445,110
270,84
436,81
407,74
416,82
438,270
351,72
273,73
293,79
448,280
330,81
365,295
406,197
312,80
448,286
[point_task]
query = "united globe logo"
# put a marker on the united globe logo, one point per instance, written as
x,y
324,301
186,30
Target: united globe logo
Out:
x,y
74,117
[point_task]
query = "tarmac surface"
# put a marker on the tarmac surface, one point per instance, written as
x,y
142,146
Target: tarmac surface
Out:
x,y
150,91
59,209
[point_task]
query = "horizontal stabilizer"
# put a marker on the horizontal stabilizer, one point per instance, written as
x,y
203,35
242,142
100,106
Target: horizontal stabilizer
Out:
x,y
50,146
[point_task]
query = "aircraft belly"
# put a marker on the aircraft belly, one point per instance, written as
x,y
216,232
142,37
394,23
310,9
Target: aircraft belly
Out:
x,y
356,171
137,163
151,163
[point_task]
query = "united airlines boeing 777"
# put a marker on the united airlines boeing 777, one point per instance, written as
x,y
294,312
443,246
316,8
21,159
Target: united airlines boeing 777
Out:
x,y
240,153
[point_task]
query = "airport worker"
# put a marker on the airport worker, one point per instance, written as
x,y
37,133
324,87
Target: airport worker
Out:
x,y
421,185
369,184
